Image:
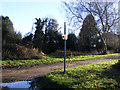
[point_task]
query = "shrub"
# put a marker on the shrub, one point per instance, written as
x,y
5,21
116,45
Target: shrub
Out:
x,y
15,51
60,53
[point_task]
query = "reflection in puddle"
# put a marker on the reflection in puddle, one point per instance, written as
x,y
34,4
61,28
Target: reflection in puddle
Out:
x,y
19,84
33,84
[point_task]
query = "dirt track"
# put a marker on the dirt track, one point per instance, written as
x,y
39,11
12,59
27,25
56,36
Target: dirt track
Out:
x,y
30,72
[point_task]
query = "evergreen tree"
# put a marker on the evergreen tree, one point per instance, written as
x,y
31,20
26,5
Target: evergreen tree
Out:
x,y
51,36
8,33
39,35
72,42
88,34
28,40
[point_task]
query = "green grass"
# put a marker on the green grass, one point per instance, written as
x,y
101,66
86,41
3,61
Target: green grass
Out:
x,y
49,60
87,76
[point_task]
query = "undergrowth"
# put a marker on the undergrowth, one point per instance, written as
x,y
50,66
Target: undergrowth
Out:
x,y
49,60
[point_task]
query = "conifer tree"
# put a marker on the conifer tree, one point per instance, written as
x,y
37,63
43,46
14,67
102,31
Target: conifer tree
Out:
x,y
88,34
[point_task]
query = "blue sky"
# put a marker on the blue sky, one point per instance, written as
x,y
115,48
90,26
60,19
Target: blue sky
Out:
x,y
23,14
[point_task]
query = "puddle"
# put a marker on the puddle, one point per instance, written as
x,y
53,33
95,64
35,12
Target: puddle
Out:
x,y
18,84
33,84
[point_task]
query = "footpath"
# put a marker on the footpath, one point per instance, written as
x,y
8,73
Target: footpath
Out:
x,y
31,72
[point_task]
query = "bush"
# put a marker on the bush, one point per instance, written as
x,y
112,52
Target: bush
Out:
x,y
15,51
60,53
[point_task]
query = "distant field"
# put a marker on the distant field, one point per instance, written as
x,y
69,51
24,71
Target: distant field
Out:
x,y
98,75
49,60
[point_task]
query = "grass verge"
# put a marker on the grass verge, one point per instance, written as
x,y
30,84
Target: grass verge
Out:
x,y
49,60
88,76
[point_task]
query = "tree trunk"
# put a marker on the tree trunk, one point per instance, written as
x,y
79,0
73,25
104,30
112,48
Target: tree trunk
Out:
x,y
105,46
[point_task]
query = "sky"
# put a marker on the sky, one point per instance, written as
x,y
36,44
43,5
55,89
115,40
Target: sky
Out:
x,y
23,14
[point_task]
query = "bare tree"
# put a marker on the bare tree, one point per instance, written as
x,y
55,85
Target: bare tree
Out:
x,y
105,13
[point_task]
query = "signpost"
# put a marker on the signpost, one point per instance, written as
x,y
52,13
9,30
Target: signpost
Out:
x,y
65,37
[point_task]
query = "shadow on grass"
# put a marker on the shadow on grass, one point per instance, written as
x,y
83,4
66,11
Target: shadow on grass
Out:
x,y
44,82
112,72
107,78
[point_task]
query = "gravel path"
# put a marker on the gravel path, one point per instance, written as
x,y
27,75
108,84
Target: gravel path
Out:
x,y
30,72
